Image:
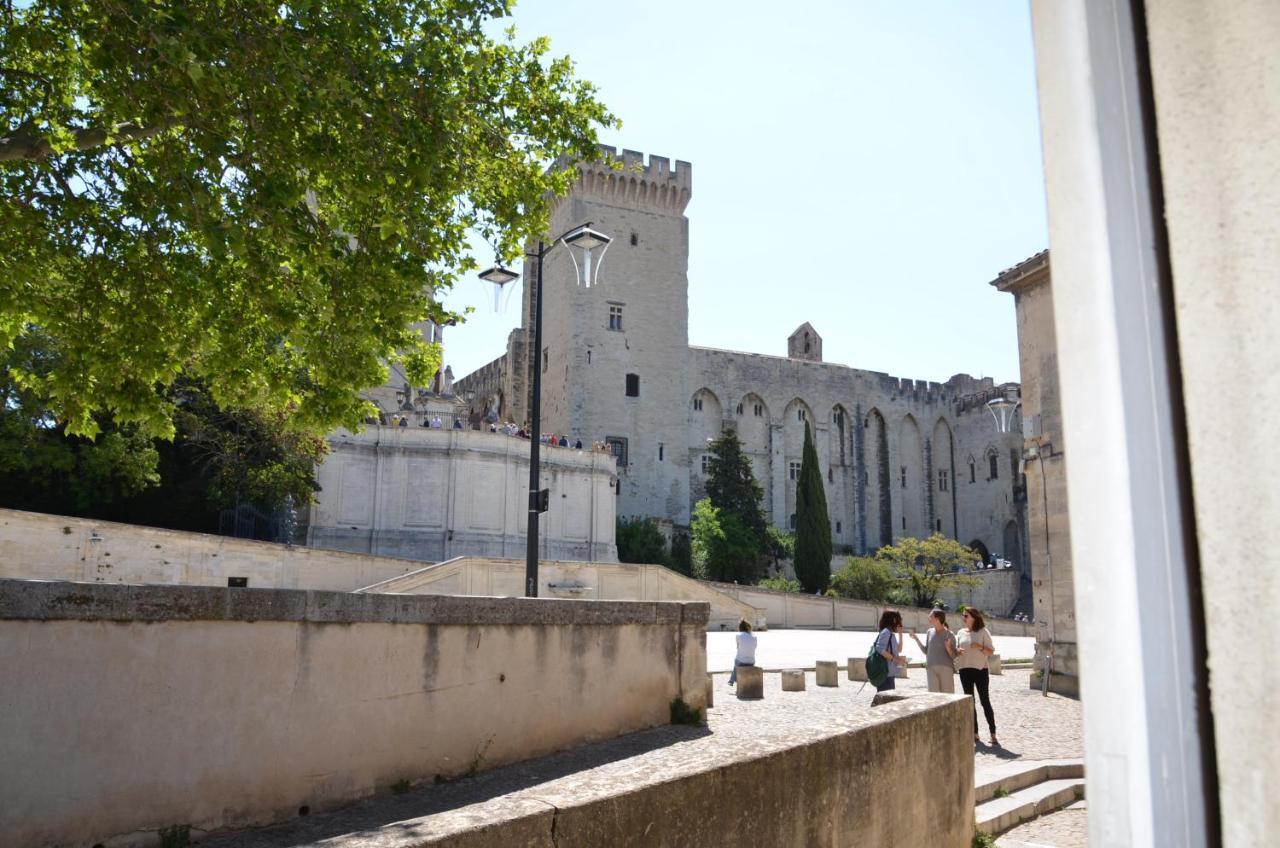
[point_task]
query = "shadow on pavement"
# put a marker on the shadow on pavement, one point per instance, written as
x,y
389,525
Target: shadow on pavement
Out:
x,y
385,811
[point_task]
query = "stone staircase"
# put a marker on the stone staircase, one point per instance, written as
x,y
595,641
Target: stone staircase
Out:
x,y
1012,793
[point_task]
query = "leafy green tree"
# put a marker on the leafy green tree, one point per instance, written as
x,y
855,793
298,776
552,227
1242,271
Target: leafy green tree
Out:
x,y
682,553
813,525
732,486
217,458
723,548
640,541
929,564
864,579
262,195
780,545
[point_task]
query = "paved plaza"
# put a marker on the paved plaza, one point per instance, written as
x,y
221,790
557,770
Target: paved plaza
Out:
x,y
778,649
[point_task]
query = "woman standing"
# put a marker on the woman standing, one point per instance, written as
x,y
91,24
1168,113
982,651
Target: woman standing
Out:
x,y
939,648
974,646
888,646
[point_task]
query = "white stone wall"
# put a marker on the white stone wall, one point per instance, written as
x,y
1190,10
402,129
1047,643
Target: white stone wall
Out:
x,y
434,494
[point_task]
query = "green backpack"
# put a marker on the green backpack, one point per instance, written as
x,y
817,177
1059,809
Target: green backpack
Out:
x,y
877,666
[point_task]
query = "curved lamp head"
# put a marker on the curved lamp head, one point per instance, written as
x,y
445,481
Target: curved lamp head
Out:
x,y
498,276
587,240
1002,409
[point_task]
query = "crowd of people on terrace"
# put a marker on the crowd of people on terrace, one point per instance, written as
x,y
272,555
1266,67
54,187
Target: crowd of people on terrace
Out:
x,y
509,428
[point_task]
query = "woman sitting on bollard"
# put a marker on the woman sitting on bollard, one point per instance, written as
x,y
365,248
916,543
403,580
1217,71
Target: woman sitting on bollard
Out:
x,y
939,648
887,645
974,646
746,649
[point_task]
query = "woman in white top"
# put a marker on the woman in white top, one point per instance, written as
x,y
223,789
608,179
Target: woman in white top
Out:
x,y
973,647
746,649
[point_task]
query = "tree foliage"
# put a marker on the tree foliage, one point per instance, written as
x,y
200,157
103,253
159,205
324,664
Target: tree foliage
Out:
x,y
261,195
732,486
864,579
929,564
217,458
781,545
640,541
723,548
813,524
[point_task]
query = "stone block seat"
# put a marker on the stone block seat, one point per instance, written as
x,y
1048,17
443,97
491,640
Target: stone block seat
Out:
x,y
826,673
793,680
857,668
750,683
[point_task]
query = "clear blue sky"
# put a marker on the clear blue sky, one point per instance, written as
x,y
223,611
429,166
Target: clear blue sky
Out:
x,y
864,166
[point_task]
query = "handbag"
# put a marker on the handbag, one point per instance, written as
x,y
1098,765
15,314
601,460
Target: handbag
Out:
x,y
877,666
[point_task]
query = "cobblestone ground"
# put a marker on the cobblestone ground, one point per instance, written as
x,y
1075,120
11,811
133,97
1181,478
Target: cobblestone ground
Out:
x,y
1068,828
1031,726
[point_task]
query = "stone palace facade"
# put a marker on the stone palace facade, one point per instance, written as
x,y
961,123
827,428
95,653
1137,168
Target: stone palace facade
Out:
x,y
900,457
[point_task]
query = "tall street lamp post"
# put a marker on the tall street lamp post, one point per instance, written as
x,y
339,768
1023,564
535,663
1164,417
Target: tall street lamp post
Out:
x,y
581,238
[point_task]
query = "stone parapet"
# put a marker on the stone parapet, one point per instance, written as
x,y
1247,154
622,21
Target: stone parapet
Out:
x,y
133,709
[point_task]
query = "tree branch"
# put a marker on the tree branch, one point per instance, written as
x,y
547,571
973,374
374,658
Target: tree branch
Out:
x,y
24,144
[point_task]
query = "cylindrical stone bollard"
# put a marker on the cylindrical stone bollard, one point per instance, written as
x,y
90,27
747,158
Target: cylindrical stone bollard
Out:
x,y
750,683
826,673
857,668
793,680
993,664
711,690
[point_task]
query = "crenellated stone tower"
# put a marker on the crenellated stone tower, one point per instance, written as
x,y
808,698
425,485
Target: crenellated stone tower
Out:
x,y
614,354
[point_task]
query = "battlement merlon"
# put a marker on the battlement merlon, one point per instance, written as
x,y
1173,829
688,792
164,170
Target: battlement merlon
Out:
x,y
653,185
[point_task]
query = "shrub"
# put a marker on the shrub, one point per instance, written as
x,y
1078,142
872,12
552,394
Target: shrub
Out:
x,y
639,541
864,579
781,584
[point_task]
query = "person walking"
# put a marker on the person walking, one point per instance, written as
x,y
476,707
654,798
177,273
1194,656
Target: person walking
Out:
x,y
746,649
974,646
889,646
939,648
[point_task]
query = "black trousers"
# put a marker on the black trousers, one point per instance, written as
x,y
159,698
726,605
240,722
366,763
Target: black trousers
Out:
x,y
980,679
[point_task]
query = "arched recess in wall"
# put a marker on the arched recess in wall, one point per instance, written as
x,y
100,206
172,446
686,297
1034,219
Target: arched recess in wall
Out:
x,y
839,475
840,449
980,549
910,479
943,479
795,416
753,417
1012,544
876,481
706,418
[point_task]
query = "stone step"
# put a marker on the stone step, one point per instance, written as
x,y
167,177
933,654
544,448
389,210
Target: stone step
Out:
x,y
1000,814
1020,774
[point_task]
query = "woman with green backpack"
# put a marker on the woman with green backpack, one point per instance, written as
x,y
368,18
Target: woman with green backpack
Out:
x,y
889,649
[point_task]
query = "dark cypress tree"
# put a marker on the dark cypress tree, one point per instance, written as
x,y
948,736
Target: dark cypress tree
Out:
x,y
732,487
813,526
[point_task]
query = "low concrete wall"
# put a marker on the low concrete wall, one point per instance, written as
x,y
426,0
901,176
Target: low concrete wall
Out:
x,y
791,610
128,709
584,580
900,774
876,785
35,546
